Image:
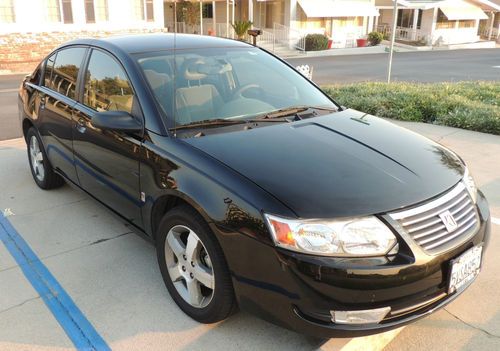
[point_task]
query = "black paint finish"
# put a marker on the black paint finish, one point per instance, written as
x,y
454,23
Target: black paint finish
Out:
x,y
334,165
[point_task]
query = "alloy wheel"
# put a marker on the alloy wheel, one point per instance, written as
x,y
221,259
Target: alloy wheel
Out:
x,y
189,266
36,156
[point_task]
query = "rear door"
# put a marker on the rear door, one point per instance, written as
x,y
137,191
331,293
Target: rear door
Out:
x,y
57,98
107,162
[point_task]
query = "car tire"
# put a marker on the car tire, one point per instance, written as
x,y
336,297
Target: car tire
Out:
x,y
183,232
40,167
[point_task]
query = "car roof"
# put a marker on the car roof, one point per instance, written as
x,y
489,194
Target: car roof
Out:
x,y
138,43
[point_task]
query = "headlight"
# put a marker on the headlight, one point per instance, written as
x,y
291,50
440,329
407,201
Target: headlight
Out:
x,y
470,184
366,236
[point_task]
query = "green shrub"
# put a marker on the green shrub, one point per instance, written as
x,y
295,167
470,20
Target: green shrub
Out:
x,y
241,28
467,105
375,38
316,42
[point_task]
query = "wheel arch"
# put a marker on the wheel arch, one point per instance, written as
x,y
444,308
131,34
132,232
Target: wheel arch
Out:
x,y
26,125
167,202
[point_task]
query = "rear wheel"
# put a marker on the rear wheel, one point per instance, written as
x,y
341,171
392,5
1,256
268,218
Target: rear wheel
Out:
x,y
193,266
42,171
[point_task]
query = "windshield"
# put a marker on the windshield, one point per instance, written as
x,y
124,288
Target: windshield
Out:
x,y
225,84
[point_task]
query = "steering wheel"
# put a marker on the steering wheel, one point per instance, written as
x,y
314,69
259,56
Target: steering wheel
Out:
x,y
238,94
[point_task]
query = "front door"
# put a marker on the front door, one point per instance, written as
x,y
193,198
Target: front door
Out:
x,y
107,162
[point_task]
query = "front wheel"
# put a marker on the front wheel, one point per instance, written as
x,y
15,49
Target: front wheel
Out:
x,y
193,266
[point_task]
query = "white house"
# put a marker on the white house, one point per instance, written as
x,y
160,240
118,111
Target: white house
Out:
x,y
437,22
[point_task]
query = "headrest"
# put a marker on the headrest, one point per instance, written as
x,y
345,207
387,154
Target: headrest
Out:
x,y
193,69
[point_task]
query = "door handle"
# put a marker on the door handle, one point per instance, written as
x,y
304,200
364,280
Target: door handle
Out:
x,y
42,102
80,125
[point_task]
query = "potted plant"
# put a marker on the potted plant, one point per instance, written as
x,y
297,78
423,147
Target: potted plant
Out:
x,y
241,28
375,38
361,42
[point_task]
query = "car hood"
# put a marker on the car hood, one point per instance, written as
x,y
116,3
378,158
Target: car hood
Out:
x,y
338,165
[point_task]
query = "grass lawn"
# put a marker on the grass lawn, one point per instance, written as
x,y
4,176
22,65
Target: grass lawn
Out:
x,y
467,105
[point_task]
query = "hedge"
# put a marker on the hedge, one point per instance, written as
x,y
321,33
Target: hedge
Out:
x,y
468,105
316,42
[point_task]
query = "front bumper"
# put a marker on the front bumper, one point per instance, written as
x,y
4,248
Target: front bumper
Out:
x,y
298,291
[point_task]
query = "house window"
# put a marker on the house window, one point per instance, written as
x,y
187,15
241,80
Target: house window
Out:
x,y
53,10
208,11
149,11
406,18
466,24
67,11
138,10
58,11
96,10
89,11
7,14
443,22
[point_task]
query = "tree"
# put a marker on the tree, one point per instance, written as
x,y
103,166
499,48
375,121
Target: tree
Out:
x,y
188,12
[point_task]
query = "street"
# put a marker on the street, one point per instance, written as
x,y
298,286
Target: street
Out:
x,y
426,66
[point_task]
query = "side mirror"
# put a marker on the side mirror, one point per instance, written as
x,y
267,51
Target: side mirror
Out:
x,y
116,120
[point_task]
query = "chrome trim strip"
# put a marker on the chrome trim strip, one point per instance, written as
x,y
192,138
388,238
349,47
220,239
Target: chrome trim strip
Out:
x,y
437,212
451,237
430,205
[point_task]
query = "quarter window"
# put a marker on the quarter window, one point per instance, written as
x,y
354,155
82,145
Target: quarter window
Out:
x,y
106,85
65,70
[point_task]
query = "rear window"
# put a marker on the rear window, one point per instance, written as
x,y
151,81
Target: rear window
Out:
x,y
62,71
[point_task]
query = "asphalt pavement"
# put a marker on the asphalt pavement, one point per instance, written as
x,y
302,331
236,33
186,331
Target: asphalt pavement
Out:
x,y
9,122
425,66
111,276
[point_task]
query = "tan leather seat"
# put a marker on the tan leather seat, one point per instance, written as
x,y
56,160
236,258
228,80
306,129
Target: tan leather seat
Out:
x,y
197,101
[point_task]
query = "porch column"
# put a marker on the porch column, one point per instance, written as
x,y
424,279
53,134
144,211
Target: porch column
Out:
x,y
370,24
376,23
491,25
175,16
214,18
227,18
415,24
201,17
232,16
250,10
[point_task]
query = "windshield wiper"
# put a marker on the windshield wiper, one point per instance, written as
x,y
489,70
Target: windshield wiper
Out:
x,y
209,123
290,111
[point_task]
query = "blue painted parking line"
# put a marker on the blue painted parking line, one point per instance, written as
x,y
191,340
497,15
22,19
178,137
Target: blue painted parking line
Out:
x,y
77,327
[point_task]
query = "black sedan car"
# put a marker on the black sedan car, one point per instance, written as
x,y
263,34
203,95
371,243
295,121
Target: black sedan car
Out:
x,y
258,190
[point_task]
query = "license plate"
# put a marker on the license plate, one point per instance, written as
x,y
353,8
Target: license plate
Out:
x,y
464,269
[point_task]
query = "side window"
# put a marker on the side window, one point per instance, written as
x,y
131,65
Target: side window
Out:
x,y
106,85
49,68
65,72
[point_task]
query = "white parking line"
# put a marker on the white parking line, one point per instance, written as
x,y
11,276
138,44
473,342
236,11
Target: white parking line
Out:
x,y
495,220
13,90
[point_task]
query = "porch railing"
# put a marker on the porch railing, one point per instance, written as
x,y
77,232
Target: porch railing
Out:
x,y
403,33
289,37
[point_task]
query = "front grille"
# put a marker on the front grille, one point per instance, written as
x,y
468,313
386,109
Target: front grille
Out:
x,y
427,229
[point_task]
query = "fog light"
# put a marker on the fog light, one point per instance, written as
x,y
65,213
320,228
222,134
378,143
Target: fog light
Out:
x,y
360,317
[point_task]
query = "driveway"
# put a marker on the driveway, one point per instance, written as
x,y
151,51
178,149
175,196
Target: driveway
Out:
x,y
107,277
